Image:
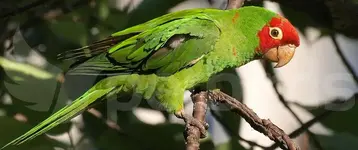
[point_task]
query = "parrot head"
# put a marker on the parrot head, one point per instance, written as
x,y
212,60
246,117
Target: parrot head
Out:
x,y
278,41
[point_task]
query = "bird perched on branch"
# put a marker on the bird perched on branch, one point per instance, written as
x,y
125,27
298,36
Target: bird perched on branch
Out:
x,y
163,57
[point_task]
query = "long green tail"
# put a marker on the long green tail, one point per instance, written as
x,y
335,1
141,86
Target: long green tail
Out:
x,y
63,114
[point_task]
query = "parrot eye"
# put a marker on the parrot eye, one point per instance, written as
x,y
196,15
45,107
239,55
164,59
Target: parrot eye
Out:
x,y
276,33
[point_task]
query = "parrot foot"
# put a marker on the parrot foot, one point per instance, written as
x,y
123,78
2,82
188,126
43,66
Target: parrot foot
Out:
x,y
191,121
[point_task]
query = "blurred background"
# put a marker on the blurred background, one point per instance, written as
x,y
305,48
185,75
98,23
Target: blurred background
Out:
x,y
313,98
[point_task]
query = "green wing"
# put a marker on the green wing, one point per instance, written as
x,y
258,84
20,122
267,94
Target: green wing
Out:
x,y
163,47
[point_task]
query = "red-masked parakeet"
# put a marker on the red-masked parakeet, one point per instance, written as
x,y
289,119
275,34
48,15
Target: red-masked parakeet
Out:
x,y
165,56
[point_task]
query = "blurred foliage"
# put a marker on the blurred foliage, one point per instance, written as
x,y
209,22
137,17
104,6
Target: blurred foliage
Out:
x,y
328,15
49,27
341,111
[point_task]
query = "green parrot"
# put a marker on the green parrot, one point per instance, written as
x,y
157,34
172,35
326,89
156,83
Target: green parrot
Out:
x,y
163,57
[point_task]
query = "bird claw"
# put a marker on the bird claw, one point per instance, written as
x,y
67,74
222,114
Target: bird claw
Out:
x,y
202,126
191,121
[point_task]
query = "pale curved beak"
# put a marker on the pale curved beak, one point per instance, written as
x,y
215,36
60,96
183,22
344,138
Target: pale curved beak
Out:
x,y
282,54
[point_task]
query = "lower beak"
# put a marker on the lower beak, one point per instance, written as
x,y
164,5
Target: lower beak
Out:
x,y
282,54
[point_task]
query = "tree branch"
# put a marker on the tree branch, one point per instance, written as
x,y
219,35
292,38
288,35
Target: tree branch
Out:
x,y
192,133
344,60
304,127
272,76
263,126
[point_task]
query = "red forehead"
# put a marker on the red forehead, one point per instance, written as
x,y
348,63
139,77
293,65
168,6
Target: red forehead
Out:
x,y
278,21
290,34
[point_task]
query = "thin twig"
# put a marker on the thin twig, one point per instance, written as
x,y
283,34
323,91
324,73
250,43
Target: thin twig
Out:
x,y
344,60
272,76
261,125
304,127
72,144
232,133
308,124
111,124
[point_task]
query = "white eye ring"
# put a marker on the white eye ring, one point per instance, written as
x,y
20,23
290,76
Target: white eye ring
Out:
x,y
276,33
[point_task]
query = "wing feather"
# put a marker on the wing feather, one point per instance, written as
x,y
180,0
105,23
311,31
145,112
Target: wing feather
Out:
x,y
163,45
165,49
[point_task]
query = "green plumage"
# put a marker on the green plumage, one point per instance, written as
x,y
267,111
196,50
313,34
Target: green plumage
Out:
x,y
164,57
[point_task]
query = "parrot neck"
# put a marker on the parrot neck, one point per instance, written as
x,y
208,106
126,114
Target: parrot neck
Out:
x,y
236,46
239,38
239,41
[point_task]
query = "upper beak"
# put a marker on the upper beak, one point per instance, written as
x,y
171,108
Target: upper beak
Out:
x,y
282,54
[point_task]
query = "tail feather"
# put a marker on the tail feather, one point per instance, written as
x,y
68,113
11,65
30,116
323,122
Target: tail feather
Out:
x,y
98,65
93,49
90,50
62,115
81,53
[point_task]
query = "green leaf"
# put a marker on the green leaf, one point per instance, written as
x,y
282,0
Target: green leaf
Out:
x,y
33,91
103,9
24,69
